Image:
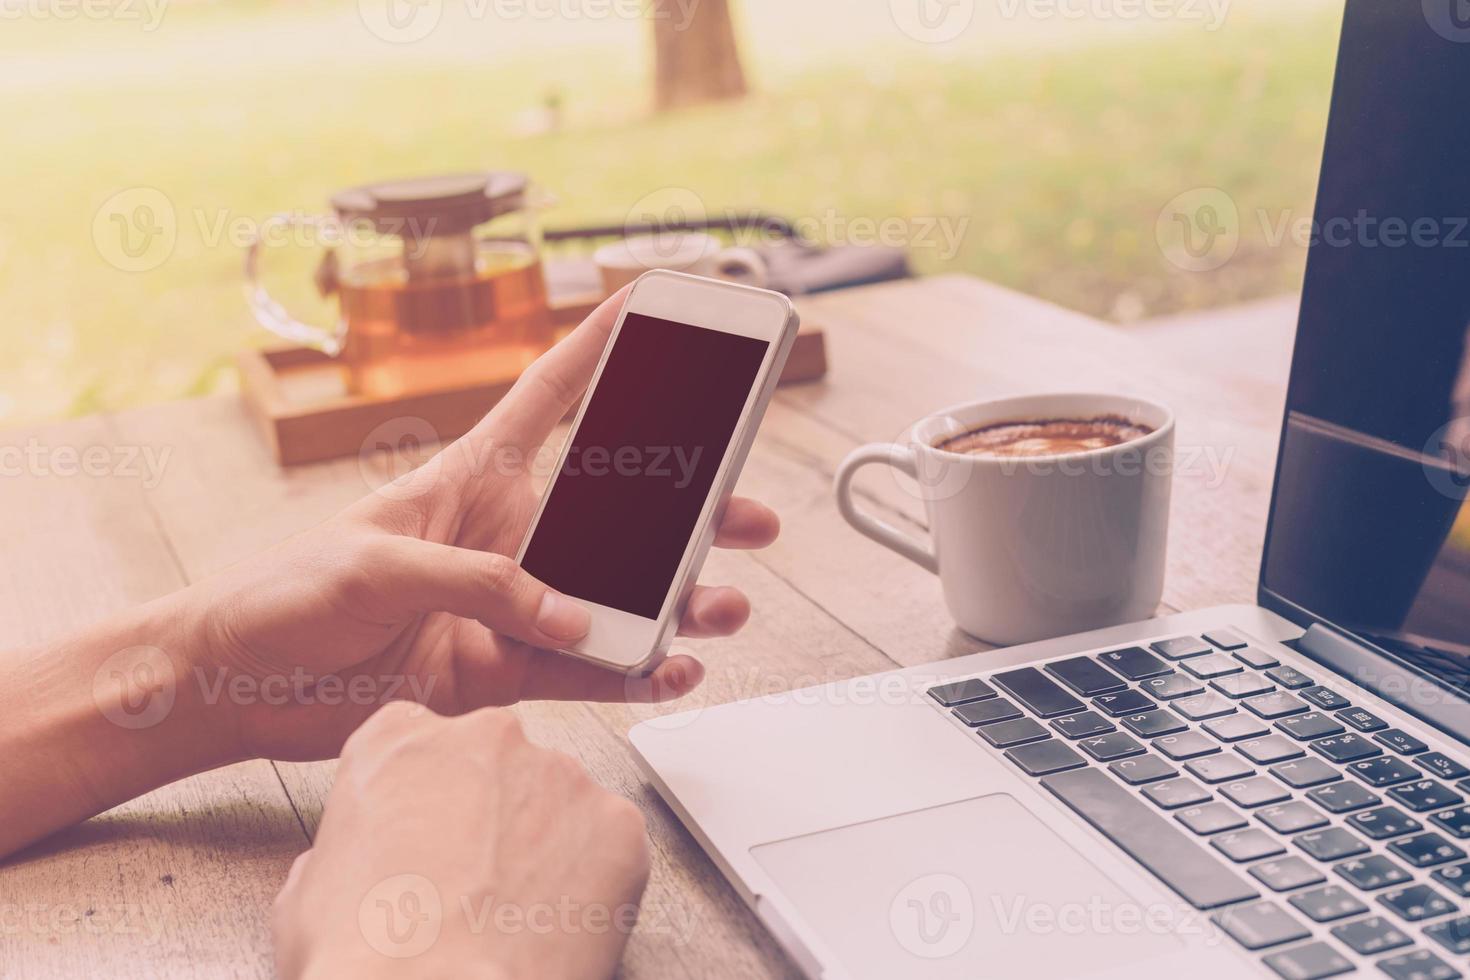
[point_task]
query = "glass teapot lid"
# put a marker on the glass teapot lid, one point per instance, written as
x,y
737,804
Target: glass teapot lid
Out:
x,y
434,217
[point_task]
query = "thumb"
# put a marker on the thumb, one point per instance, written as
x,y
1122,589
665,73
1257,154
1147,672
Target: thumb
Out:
x,y
484,586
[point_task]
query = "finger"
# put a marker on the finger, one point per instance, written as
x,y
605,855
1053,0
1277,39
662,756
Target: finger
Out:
x,y
550,387
747,524
426,577
554,677
714,611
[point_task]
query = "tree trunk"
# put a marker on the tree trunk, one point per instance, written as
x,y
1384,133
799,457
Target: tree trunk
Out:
x,y
694,52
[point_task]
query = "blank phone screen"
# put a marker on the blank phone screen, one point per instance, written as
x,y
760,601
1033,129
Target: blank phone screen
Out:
x,y
642,462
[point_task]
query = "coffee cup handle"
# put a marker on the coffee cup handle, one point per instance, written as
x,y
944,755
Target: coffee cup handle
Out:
x,y
902,459
742,265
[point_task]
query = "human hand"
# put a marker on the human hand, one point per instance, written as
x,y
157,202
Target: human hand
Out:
x,y
454,847
412,593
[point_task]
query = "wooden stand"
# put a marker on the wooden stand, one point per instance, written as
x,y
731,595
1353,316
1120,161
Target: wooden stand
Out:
x,y
302,406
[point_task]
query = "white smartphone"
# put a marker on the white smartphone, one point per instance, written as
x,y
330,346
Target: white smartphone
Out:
x,y
670,415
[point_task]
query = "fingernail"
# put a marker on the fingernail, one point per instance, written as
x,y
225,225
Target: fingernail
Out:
x,y
562,618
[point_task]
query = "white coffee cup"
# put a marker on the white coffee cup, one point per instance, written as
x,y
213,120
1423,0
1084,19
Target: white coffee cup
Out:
x,y
1033,547
694,252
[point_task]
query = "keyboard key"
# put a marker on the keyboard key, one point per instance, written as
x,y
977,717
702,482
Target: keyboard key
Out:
x,y
1268,749
1275,705
1291,818
1212,818
1455,877
971,689
1218,768
1286,874
1045,758
1181,647
1290,678
1302,773
1418,964
1242,685
1086,676
1152,724
1202,706
1314,961
1106,748
1401,741
1327,700
1362,719
1371,872
1384,822
1313,724
1425,795
1426,850
1254,792
1343,797
1452,934
978,713
1235,727
1175,793
1332,844
1226,639
1007,733
1375,934
1327,903
1416,902
1134,663
1456,821
1149,839
1259,925
1146,769
1256,657
1214,665
1082,724
1036,693
1385,771
1349,747
1247,845
1441,765
1172,686
1129,702
1185,745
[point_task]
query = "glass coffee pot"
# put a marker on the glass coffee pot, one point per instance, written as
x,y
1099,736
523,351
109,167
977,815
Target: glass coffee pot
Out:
x,y
438,282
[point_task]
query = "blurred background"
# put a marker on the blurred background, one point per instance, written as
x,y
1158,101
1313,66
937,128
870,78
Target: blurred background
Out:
x,y
1040,144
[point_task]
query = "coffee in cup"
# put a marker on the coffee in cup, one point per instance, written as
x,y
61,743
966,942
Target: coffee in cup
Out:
x,y
1045,437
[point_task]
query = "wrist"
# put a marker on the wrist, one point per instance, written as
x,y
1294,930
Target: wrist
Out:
x,y
104,715
366,964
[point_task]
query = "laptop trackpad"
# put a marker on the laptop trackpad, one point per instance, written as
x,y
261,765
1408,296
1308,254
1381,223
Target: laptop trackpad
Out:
x,y
979,888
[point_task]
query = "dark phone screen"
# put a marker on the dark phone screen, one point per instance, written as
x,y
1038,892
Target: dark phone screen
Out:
x,y
642,462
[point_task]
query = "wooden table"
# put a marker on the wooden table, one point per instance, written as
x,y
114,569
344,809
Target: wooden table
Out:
x,y
179,883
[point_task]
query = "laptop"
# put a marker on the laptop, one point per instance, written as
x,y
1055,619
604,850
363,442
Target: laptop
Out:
x,y
1277,789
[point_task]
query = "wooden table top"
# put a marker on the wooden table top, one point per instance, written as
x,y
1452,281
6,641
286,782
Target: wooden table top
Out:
x,y
179,882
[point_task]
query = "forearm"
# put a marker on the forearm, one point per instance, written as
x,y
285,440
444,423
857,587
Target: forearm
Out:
x,y
104,715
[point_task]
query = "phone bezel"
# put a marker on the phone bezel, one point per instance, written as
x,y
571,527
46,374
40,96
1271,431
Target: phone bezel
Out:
x,y
623,640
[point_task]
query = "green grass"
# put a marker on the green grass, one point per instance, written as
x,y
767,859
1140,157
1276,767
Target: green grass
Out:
x,y
1060,160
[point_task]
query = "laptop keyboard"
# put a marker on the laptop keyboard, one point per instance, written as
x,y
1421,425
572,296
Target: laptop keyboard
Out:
x,y
1325,828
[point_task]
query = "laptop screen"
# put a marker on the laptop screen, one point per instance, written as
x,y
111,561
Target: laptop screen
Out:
x,y
1369,527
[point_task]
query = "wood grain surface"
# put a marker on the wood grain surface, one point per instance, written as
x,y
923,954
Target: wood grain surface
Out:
x,y
178,883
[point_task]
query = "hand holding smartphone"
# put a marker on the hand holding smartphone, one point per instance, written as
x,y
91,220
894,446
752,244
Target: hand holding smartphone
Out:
x,y
653,455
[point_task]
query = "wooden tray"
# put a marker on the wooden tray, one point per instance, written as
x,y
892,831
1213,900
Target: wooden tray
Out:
x,y
302,407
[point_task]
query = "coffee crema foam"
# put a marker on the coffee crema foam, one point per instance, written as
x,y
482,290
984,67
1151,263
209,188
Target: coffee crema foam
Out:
x,y
1045,437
